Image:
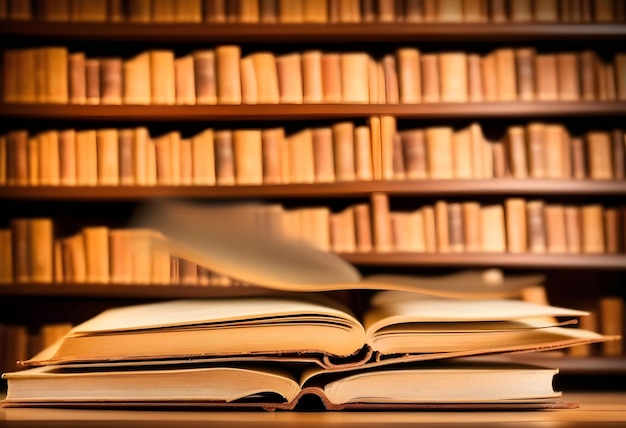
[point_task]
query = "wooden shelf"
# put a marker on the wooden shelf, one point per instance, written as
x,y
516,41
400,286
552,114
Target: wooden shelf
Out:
x,y
497,260
148,291
318,33
505,187
206,113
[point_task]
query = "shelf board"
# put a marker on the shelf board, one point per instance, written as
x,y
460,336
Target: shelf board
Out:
x,y
497,260
452,187
191,113
148,291
318,33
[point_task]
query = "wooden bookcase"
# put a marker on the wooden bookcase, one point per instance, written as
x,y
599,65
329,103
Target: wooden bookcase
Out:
x,y
571,278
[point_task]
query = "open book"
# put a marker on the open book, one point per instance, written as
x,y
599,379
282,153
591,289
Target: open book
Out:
x,y
312,328
229,239
471,384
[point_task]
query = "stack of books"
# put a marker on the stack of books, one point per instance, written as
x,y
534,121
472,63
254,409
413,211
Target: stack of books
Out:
x,y
415,342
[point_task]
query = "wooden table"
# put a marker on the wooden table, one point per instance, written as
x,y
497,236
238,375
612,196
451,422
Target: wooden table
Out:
x,y
597,409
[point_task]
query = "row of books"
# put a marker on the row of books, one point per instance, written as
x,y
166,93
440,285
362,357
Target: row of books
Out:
x,y
97,254
314,11
341,152
225,75
17,343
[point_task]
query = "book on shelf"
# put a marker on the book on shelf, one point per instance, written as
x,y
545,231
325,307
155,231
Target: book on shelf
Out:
x,y
418,326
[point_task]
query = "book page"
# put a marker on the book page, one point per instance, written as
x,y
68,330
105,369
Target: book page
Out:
x,y
224,239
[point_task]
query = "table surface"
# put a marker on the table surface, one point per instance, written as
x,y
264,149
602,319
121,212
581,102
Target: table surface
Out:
x,y
597,409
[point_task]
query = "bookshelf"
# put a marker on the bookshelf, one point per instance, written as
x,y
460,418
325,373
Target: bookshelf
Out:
x,y
603,268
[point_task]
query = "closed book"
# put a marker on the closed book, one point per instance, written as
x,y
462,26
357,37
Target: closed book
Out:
x,y
474,78
40,249
430,78
612,230
568,77
472,234
398,158
3,161
6,262
293,11
475,11
501,166
20,230
205,76
363,153
34,171
556,237
67,157
17,156
354,78
573,231
289,70
536,149
450,11
32,76
140,142
115,11
400,222
248,158
381,223
139,11
478,143
107,141
96,254
331,77
249,84
430,234
413,11
620,75
439,152
224,158
545,10
268,11
525,64
86,158
271,140
588,79
92,81
162,78
267,75
249,12
386,11
111,81
593,229
203,158
184,80
414,146
323,155
455,227
516,231
126,154
409,75
77,78
536,226
301,164
10,76
498,11
349,11
215,11
442,226
555,158
521,11
462,154
453,69
492,228
164,10
579,158
388,129
186,162
604,10
599,155
343,142
120,256
618,143
516,149
546,77
363,227
228,75
49,174
312,88
92,11
506,74
57,75
137,80
612,322
164,173
390,70
174,157
490,77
